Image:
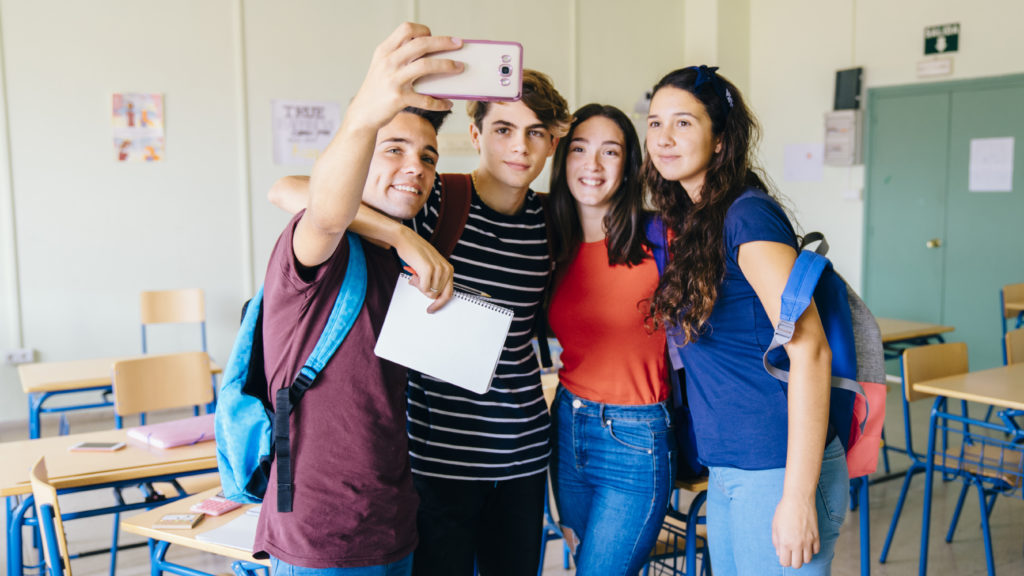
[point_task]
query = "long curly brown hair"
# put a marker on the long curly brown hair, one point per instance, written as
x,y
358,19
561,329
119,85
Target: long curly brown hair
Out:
x,y
689,285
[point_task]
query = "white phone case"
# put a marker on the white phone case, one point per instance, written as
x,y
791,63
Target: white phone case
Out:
x,y
493,72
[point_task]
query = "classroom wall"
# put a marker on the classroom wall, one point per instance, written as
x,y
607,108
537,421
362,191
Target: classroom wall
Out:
x,y
81,235
792,77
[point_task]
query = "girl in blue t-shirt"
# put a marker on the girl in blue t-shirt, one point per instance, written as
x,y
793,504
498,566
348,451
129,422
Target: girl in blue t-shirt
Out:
x,y
778,483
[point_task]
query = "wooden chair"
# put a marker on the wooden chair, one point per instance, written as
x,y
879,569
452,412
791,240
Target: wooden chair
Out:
x,y
55,547
1011,293
1014,343
163,382
172,306
187,306
921,363
154,383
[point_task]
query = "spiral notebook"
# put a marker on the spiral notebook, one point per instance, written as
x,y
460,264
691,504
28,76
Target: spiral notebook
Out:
x,y
460,343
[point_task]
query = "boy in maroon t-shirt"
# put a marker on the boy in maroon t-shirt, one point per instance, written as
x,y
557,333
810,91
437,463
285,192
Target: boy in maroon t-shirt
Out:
x,y
354,503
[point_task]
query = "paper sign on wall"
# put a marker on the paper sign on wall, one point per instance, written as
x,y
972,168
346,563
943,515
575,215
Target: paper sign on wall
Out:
x,y
804,162
991,165
138,121
302,129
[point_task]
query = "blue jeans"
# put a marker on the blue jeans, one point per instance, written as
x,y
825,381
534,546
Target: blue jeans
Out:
x,y
402,567
613,468
740,508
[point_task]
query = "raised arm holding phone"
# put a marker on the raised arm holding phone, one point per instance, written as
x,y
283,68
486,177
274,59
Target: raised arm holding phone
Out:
x,y
354,504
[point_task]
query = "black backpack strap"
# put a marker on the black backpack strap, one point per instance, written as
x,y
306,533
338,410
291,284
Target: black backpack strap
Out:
x,y
454,212
347,305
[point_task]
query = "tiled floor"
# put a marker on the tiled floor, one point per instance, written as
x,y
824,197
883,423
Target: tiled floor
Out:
x,y
965,556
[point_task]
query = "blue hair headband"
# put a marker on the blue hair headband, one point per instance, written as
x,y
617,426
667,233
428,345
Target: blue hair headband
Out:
x,y
705,75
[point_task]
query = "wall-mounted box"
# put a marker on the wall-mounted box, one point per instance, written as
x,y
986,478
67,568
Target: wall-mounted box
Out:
x,y
843,131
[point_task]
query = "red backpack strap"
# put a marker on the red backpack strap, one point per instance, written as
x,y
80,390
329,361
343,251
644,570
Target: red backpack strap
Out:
x,y
457,191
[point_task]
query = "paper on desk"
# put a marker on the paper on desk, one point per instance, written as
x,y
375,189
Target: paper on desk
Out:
x,y
239,533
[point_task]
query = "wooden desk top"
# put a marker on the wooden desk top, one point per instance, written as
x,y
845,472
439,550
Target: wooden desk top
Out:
x,y
73,469
73,374
142,524
1001,386
894,330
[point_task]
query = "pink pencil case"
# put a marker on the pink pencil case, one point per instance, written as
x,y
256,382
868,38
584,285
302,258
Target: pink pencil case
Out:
x,y
176,432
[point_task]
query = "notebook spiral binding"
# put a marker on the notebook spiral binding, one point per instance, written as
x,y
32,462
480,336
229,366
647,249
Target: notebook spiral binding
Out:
x,y
466,296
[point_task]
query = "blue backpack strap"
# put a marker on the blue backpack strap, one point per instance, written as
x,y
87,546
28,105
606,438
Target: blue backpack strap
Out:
x,y
657,235
796,297
346,308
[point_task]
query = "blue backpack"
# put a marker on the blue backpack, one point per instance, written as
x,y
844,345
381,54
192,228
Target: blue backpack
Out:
x,y
857,401
688,466
250,434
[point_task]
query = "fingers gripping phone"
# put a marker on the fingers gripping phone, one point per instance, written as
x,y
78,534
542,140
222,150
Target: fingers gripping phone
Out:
x,y
493,71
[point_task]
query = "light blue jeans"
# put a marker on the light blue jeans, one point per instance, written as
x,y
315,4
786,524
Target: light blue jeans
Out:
x,y
402,567
740,508
612,469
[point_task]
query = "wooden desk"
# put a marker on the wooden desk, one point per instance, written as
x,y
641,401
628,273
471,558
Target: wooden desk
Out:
x,y
41,380
1002,386
142,524
79,471
896,331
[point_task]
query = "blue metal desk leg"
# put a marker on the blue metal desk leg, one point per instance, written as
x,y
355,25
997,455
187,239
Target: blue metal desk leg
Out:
x,y
926,515
33,415
865,525
691,532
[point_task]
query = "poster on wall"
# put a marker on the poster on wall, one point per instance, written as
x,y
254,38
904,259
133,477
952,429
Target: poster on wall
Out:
x,y
302,129
991,165
138,127
804,162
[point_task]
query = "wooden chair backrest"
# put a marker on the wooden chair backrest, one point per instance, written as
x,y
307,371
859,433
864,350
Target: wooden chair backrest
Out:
x,y
1012,293
1015,346
922,363
45,493
164,306
154,383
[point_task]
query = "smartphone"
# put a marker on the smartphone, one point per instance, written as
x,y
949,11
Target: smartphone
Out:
x,y
96,446
493,72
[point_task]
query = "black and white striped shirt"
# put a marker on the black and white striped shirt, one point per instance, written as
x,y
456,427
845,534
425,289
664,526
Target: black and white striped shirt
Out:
x,y
503,434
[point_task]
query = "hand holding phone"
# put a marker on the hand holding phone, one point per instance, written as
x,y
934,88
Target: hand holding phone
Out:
x,y
397,63
493,71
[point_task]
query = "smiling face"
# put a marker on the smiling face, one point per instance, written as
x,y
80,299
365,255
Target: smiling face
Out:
x,y
680,142
513,144
594,162
402,170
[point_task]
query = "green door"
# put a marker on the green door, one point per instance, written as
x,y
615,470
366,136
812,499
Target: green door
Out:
x,y
934,250
985,230
906,187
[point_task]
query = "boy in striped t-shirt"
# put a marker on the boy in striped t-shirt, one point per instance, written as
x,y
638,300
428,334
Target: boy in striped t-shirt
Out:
x,y
479,462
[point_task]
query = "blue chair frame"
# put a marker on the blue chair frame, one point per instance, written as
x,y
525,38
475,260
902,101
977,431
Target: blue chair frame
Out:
x,y
990,476
918,461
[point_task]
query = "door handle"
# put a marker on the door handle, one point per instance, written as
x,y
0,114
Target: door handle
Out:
x,y
933,243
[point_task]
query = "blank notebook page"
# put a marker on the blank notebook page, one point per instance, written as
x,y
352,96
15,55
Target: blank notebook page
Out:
x,y
460,343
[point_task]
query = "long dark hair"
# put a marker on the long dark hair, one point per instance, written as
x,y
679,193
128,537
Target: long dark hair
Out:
x,y
688,288
622,223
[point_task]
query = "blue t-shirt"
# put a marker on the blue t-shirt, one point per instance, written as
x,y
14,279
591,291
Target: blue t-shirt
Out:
x,y
739,411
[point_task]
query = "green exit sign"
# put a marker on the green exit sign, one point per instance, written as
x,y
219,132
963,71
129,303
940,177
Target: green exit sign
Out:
x,y
941,39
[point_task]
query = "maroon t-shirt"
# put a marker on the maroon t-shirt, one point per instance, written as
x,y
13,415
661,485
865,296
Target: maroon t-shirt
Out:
x,y
354,502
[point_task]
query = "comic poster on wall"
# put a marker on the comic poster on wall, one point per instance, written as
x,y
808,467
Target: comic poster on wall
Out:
x,y
138,127
302,129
